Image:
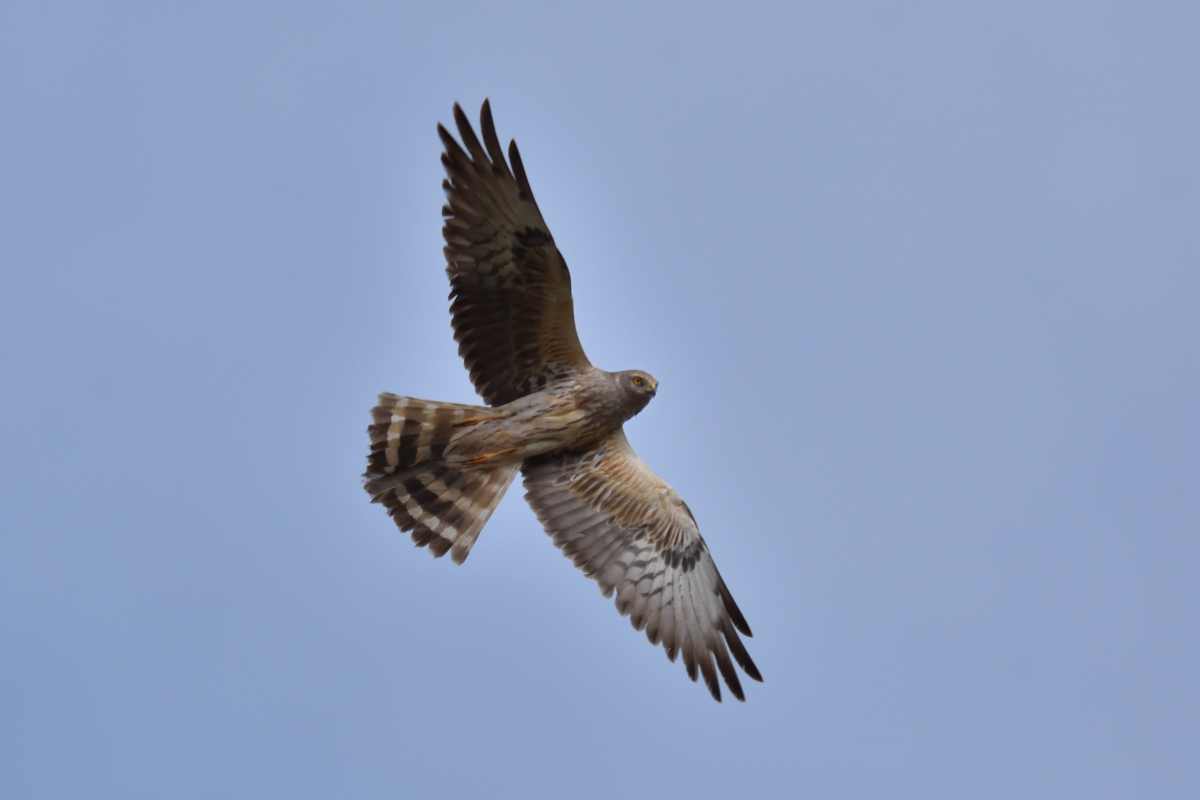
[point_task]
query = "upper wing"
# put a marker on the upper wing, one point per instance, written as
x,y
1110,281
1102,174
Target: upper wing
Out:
x,y
512,312
627,529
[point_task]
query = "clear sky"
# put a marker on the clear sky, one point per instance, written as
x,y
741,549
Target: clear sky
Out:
x,y
921,283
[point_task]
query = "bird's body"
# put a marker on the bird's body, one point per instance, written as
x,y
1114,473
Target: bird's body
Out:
x,y
571,412
441,468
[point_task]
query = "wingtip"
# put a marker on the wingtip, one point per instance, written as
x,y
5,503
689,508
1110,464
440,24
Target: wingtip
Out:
x,y
710,675
460,117
467,134
518,166
731,608
487,126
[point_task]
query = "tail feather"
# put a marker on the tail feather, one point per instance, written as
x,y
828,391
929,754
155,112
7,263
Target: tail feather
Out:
x,y
406,432
444,506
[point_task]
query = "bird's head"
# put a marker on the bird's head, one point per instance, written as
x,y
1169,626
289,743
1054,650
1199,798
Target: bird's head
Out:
x,y
638,386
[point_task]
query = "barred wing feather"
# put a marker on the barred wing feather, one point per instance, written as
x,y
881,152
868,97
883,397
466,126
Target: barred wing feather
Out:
x,y
630,532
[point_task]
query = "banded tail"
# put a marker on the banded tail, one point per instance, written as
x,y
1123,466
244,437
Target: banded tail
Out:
x,y
445,506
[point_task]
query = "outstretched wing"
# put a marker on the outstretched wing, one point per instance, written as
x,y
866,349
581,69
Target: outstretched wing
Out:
x,y
629,531
512,312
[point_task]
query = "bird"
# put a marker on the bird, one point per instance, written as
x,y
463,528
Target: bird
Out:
x,y
440,469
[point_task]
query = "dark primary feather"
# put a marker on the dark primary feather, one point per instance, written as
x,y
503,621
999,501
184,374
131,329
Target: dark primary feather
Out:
x,y
511,307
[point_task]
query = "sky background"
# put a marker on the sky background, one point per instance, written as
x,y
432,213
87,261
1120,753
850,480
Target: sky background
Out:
x,y
944,258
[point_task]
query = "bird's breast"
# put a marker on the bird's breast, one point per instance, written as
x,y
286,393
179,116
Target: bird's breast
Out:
x,y
530,426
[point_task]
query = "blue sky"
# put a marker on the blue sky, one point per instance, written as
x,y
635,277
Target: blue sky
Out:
x,y
921,286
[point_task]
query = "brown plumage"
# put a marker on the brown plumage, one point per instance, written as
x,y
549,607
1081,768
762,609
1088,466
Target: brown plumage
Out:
x,y
512,312
440,469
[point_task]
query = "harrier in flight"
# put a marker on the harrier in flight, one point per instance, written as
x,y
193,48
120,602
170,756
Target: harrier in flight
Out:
x,y
440,469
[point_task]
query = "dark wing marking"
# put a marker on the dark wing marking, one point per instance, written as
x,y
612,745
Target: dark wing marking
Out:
x,y
513,317
630,532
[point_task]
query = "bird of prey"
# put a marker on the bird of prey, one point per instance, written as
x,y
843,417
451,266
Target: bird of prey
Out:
x,y
440,469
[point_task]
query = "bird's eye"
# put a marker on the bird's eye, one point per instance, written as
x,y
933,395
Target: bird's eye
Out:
x,y
637,381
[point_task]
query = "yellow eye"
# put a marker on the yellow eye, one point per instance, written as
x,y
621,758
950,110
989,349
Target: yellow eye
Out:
x,y
637,380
